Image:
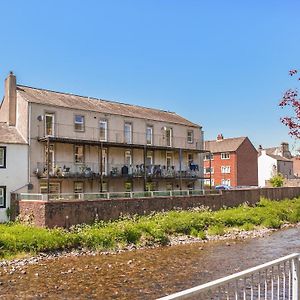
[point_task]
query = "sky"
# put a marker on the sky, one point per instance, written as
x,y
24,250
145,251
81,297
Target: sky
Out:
x,y
221,64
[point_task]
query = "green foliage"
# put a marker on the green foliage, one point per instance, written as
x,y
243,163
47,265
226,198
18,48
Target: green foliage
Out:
x,y
277,180
147,230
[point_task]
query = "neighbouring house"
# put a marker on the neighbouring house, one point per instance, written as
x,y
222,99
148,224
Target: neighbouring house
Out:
x,y
13,157
272,161
80,144
231,161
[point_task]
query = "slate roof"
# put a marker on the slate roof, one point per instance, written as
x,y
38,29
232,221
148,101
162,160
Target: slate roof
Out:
x,y
47,97
278,157
224,145
10,135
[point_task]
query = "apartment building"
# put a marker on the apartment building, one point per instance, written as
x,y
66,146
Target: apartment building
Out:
x,y
231,161
86,145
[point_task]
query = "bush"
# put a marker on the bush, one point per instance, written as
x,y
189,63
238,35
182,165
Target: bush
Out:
x,y
277,180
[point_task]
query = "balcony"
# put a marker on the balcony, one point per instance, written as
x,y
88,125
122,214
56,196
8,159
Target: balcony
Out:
x,y
91,135
91,170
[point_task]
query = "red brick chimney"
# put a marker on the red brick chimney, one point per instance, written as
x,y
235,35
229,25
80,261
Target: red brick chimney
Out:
x,y
220,137
10,98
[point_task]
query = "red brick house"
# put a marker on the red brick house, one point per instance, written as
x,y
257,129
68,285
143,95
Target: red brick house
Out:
x,y
233,162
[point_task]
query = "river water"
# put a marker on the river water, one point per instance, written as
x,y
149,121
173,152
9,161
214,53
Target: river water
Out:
x,y
144,274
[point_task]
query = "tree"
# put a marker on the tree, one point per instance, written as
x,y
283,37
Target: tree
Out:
x,y
291,99
277,180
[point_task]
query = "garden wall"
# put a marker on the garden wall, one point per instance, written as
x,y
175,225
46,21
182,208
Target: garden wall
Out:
x,y
68,213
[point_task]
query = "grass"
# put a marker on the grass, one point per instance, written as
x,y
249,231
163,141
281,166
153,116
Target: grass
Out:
x,y
17,239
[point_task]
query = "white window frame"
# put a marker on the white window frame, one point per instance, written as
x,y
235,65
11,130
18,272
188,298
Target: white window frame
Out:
x,y
225,169
53,124
128,133
169,137
149,133
80,124
207,181
225,155
2,196
225,181
190,136
104,122
3,157
128,158
207,172
76,155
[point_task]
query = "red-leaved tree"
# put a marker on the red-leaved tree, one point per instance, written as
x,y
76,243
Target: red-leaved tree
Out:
x,y
291,98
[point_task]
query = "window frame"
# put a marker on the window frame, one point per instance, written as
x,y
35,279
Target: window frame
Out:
x,y
79,123
49,114
3,166
105,130
224,155
43,185
209,172
83,156
128,155
74,185
225,181
151,134
129,141
225,169
3,188
207,155
190,141
169,139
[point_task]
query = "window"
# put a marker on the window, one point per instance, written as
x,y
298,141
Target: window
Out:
x,y
2,196
79,123
51,157
207,182
78,187
49,124
225,155
225,169
169,159
128,186
104,162
169,186
149,135
207,170
151,186
169,133
128,133
209,156
225,181
128,158
149,158
190,136
104,187
3,157
54,188
103,130
79,154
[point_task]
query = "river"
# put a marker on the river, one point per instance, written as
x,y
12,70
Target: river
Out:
x,y
144,274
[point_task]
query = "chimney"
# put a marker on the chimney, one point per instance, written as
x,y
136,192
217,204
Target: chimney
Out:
x,y
11,97
220,137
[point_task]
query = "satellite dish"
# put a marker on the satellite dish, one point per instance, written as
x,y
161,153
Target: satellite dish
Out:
x,y
40,118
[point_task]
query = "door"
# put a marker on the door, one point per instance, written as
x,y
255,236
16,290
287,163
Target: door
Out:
x,y
49,124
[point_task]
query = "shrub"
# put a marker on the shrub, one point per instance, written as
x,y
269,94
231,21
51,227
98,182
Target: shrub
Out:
x,y
277,180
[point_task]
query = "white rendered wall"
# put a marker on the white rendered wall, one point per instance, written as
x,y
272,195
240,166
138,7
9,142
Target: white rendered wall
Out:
x,y
265,168
15,175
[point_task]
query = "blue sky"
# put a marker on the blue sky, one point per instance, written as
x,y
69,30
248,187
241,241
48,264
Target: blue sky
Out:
x,y
221,64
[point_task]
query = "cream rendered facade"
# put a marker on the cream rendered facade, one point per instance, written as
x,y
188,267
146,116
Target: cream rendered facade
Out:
x,y
138,153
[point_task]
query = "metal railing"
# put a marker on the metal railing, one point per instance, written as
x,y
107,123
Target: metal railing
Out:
x,y
114,195
277,279
119,136
92,170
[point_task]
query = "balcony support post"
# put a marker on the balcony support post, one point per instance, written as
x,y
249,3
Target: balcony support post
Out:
x,y
48,166
180,169
101,167
145,172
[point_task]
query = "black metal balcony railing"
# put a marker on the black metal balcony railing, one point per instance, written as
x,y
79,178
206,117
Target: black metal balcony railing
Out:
x,y
92,170
119,136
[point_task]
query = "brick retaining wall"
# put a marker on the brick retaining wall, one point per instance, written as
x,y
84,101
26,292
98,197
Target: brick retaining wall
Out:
x,y
68,213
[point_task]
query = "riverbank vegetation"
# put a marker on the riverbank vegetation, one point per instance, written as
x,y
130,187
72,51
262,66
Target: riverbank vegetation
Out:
x,y
156,229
